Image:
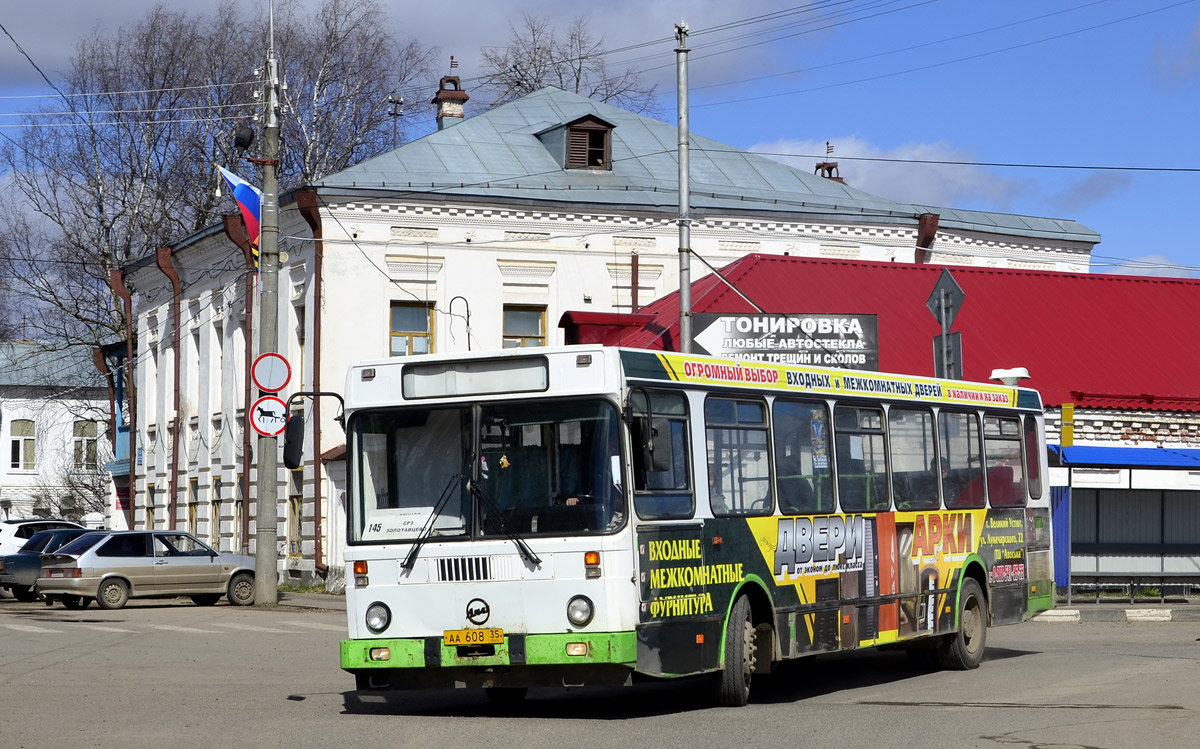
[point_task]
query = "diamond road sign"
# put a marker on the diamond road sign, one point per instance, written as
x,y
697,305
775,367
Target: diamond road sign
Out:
x,y
946,292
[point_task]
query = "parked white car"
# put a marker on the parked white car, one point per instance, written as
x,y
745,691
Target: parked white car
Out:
x,y
14,533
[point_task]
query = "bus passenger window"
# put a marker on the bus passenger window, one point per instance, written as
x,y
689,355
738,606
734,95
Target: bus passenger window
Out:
x,y
914,466
659,431
961,459
739,476
803,477
1032,458
1005,469
861,458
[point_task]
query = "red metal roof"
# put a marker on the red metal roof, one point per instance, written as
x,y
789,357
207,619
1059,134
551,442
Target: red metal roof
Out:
x,y
1100,341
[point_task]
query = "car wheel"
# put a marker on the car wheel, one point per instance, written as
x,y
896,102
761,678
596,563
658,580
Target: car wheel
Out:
x,y
24,593
241,589
208,599
113,593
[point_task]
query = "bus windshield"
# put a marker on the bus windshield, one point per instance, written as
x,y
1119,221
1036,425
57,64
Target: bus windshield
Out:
x,y
531,468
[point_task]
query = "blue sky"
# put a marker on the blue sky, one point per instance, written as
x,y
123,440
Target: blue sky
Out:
x,y
1108,83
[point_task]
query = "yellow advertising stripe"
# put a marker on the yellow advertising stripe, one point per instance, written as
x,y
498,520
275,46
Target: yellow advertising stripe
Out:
x,y
714,371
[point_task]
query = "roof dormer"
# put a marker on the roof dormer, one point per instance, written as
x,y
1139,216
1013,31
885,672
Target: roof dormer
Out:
x,y
585,143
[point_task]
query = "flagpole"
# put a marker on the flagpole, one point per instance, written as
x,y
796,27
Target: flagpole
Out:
x,y
266,566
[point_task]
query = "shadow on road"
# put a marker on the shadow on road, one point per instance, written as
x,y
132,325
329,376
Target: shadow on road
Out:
x,y
790,682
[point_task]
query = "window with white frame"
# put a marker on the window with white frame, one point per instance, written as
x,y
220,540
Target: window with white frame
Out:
x,y
86,444
21,432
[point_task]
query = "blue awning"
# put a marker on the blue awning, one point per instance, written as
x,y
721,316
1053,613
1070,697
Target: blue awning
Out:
x,y
1127,457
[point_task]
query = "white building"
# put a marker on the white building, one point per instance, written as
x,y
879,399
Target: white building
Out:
x,y
480,235
53,425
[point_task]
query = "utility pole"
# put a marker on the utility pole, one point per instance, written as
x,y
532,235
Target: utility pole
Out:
x,y
395,111
685,198
266,567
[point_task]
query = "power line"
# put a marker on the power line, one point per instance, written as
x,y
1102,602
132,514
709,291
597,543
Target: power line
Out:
x,y
944,63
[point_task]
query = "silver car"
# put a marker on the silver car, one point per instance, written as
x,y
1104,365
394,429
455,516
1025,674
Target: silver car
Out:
x,y
111,568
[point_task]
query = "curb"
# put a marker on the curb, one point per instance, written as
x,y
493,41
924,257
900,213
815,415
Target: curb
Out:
x,y
1119,616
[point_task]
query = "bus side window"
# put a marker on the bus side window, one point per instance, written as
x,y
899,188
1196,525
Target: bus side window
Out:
x,y
1005,468
861,458
659,433
961,459
739,476
803,477
914,467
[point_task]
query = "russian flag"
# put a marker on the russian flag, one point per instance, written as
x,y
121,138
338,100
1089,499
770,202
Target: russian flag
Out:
x,y
249,200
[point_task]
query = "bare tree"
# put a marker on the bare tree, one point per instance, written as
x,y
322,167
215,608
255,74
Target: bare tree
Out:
x,y
538,56
123,160
340,71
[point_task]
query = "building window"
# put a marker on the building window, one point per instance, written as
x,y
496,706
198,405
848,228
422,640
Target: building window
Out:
x,y
412,326
238,509
588,145
524,327
214,516
193,504
149,506
85,445
295,512
22,444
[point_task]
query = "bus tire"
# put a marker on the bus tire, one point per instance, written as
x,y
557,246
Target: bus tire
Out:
x,y
731,685
963,650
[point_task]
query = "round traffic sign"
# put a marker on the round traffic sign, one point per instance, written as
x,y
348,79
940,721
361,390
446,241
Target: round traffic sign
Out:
x,y
268,415
271,372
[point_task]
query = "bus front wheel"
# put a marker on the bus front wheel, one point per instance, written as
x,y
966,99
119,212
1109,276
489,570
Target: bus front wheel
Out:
x,y
963,650
731,685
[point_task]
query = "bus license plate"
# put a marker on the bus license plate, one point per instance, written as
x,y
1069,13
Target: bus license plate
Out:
x,y
486,636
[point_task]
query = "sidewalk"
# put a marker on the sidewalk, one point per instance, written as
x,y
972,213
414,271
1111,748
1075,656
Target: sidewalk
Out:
x,y
1180,610
326,601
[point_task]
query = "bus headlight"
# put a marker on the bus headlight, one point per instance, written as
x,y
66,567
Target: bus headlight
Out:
x,y
580,611
379,616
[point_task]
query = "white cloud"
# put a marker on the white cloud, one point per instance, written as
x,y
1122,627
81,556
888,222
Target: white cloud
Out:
x,y
944,185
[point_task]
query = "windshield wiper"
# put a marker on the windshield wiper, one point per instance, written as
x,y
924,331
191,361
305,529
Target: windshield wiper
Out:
x,y
504,527
427,529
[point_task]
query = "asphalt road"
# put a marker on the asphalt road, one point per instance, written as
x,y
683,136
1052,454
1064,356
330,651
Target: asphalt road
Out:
x,y
170,674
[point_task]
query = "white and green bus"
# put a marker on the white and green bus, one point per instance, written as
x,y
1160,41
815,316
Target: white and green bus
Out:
x,y
587,515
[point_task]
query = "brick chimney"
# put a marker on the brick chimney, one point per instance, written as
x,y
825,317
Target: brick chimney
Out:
x,y
450,100
829,170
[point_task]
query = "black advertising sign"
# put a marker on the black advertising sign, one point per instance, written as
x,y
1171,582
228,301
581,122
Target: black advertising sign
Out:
x,y
850,341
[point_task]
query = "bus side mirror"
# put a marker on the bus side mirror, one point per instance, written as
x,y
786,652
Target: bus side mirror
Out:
x,y
293,442
656,445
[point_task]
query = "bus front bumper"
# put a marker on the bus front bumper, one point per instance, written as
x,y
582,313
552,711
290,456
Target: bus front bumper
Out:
x,y
571,659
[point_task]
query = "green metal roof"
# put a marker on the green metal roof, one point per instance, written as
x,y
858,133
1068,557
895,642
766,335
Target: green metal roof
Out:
x,y
498,156
28,364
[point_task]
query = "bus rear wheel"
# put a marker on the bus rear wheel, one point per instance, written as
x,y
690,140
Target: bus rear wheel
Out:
x,y
963,650
731,685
